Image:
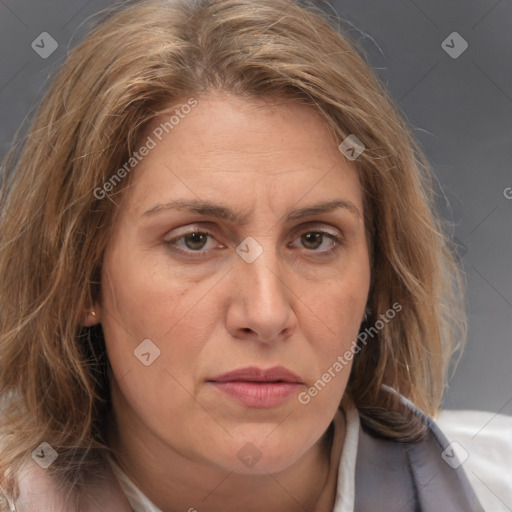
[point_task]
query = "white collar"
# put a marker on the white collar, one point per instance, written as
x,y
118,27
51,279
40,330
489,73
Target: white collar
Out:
x,y
346,488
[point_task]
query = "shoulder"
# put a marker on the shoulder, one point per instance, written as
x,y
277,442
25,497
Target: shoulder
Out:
x,y
483,444
424,475
39,492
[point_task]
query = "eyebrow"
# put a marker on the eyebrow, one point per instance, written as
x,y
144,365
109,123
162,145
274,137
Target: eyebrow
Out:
x,y
211,209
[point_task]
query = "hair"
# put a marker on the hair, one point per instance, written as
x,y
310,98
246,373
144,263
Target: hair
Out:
x,y
137,62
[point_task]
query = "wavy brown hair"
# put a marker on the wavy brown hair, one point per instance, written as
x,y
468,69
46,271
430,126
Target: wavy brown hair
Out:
x,y
138,61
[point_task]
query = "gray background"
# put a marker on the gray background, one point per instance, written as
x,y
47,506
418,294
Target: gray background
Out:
x,y
459,108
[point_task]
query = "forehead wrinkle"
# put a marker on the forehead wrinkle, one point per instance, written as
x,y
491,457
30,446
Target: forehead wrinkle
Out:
x,y
211,209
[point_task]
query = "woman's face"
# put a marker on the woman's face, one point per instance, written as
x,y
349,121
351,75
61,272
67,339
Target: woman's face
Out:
x,y
271,280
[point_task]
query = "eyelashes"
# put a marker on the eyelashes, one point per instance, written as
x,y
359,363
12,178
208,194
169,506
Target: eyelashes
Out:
x,y
193,243
196,236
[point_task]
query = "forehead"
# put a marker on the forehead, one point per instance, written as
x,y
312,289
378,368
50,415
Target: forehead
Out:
x,y
239,150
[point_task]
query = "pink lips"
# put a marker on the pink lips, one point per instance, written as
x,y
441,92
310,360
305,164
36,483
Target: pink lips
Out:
x,y
258,388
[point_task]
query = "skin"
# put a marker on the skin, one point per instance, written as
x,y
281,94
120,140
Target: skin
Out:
x,y
297,305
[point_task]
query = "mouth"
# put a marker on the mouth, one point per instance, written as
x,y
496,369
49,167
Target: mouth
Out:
x,y
258,388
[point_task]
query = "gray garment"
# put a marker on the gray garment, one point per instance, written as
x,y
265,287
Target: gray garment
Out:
x,y
411,477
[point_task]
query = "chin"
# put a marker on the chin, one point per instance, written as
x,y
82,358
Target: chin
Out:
x,y
259,455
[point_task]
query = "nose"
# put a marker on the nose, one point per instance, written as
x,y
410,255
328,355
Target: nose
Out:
x,y
261,301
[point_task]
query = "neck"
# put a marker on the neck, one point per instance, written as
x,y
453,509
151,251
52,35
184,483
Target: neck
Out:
x,y
175,483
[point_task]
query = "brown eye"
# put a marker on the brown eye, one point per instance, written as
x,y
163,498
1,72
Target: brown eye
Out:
x,y
195,241
318,243
312,240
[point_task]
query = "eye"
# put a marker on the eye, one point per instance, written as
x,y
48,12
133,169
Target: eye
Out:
x,y
196,240
315,239
195,243
191,242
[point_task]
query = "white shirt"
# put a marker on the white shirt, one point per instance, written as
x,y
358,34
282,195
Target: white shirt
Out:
x,y
483,443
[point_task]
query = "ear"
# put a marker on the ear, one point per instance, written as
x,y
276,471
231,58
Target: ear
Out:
x,y
91,317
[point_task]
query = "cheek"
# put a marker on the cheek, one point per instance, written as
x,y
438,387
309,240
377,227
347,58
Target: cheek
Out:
x,y
154,375
144,300
139,298
339,308
136,308
332,332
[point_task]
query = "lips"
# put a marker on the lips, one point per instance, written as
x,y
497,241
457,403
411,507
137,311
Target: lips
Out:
x,y
254,374
258,388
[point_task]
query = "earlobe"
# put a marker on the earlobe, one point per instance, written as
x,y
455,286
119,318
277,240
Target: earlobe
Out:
x,y
91,318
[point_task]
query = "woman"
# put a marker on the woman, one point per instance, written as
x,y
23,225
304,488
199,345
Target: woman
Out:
x,y
223,283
